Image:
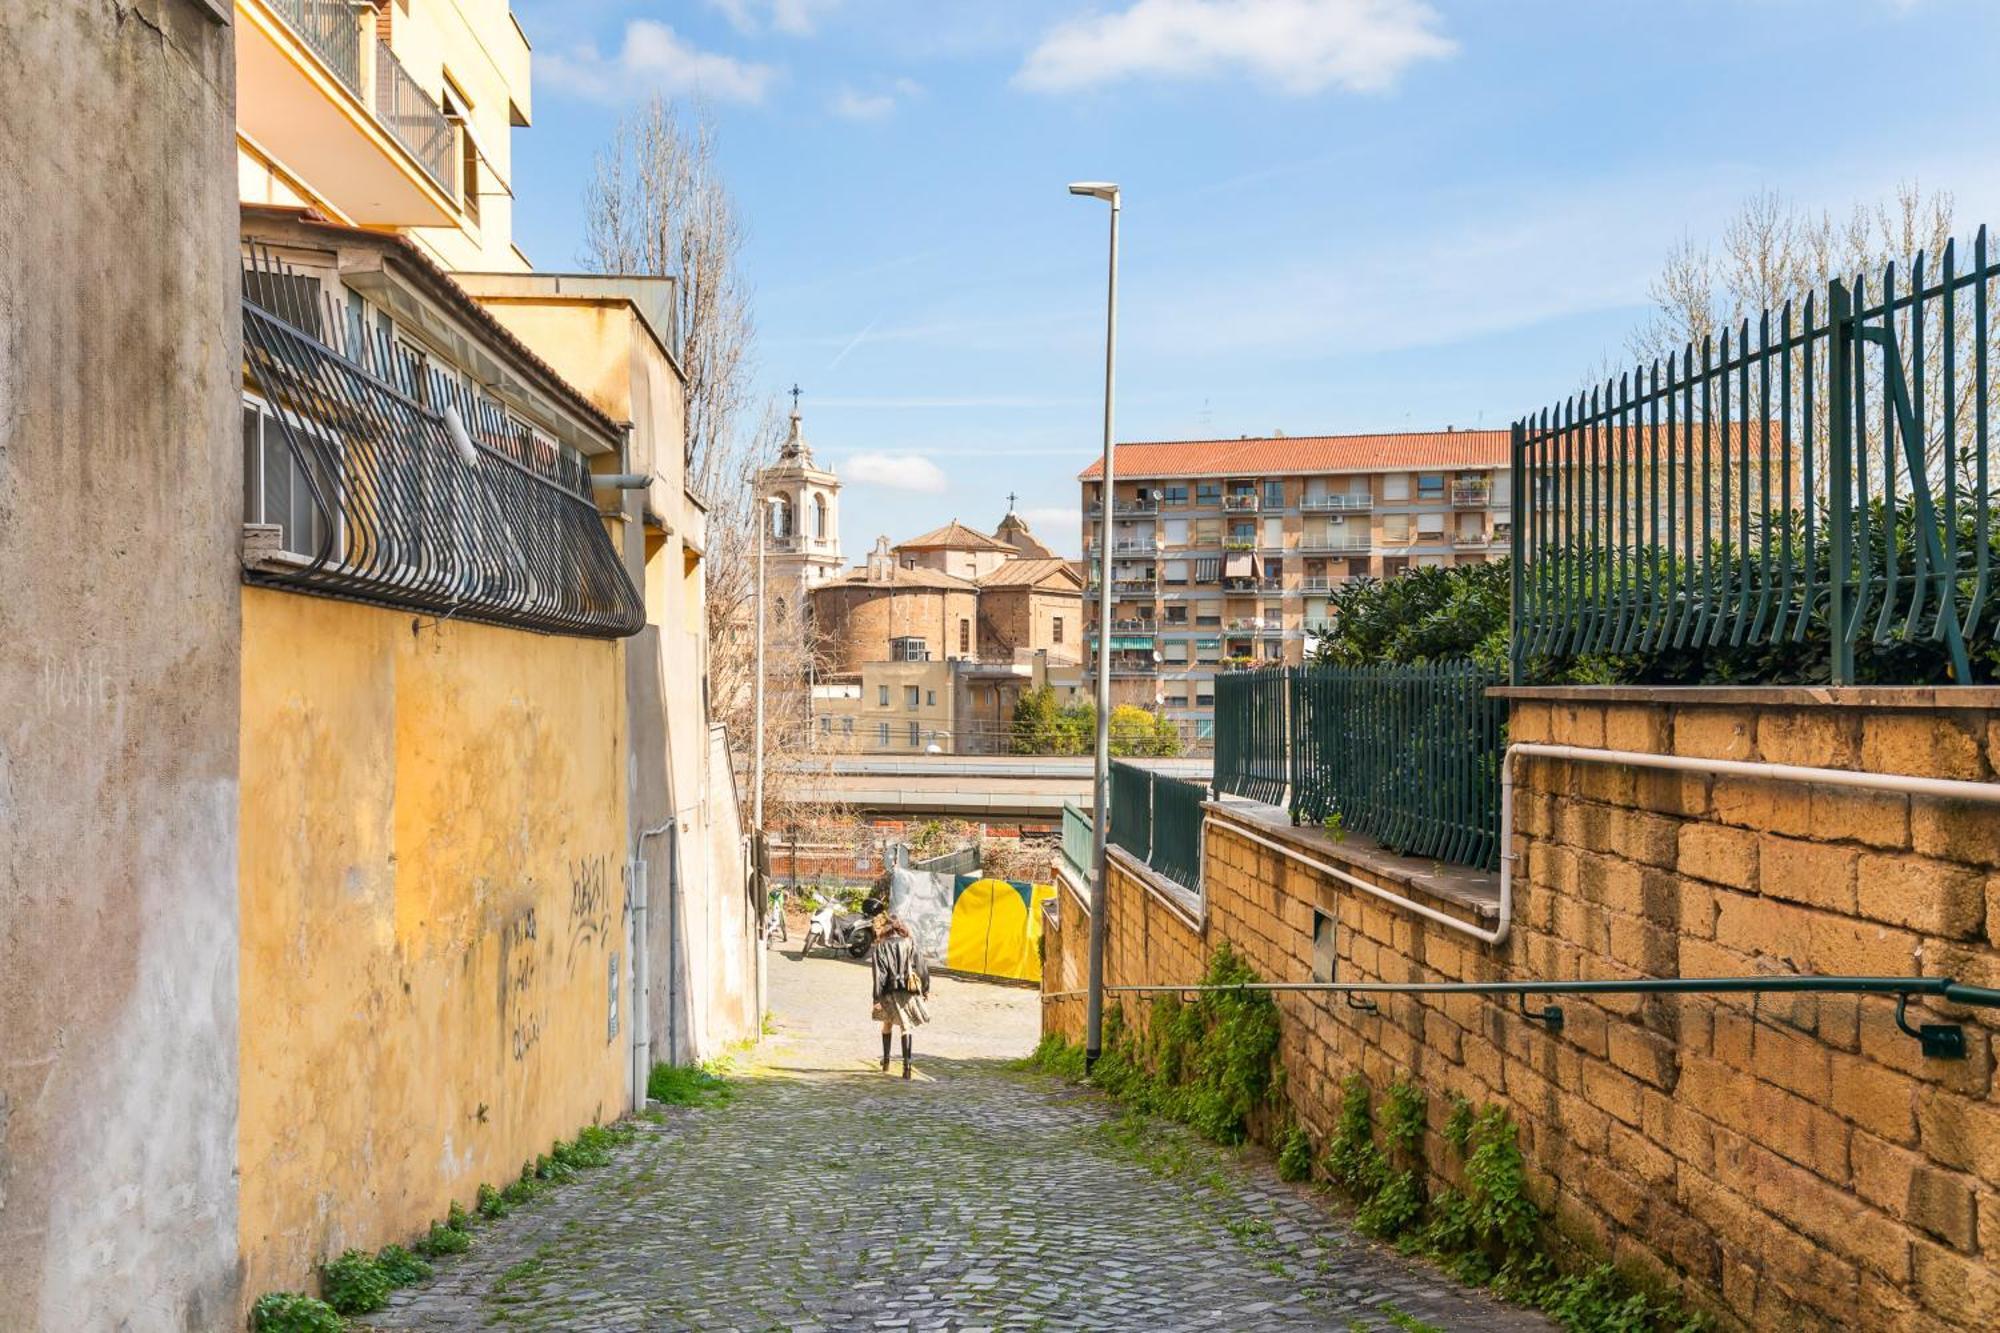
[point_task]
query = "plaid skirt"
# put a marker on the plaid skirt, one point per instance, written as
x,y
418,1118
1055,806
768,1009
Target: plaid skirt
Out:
x,y
905,1007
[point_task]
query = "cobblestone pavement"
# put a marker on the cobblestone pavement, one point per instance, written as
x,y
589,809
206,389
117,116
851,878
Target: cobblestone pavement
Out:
x,y
826,1196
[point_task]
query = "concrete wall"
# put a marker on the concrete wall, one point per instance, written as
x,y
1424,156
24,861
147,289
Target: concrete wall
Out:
x,y
119,503
1790,1164
433,850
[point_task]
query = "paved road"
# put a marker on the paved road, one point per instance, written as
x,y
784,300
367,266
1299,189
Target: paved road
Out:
x,y
826,1196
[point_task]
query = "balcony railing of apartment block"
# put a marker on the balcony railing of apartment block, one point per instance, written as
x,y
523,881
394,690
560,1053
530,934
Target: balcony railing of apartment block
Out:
x,y
1239,544
412,118
1272,585
418,494
1240,502
1471,495
1338,504
1123,507
1315,585
1134,585
1470,539
1145,548
1358,542
331,29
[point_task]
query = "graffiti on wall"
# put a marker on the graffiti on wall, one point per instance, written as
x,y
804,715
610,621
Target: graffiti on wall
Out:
x,y
589,906
520,981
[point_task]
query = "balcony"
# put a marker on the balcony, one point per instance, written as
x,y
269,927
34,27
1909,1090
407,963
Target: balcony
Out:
x,y
1126,508
1471,494
309,95
1272,585
1338,504
1315,585
1464,539
1241,503
1138,548
1146,586
1344,542
1256,624
1239,543
412,117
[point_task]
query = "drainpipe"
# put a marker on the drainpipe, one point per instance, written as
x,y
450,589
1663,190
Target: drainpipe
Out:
x,y
642,972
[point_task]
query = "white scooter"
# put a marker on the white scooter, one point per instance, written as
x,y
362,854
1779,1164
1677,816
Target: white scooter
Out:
x,y
839,930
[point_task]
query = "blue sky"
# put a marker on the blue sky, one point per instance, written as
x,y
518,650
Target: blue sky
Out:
x,y
1340,215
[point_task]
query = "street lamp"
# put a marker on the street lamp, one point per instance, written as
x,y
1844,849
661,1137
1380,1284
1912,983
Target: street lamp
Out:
x,y
1101,800
766,506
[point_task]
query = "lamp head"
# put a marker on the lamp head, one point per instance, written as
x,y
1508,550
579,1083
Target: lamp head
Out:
x,y
1104,190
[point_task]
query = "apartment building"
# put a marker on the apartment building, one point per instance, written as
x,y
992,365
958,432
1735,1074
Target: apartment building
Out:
x,y
1223,552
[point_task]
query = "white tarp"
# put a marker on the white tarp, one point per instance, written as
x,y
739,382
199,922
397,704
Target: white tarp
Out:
x,y
923,898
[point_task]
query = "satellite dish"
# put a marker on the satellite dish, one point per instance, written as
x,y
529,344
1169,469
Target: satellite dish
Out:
x,y
454,426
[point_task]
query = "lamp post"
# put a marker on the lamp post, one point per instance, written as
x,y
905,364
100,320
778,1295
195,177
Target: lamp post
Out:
x,y
765,507
1101,788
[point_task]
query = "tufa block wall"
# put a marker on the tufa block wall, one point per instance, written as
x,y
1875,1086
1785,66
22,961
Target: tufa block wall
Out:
x,y
1789,1163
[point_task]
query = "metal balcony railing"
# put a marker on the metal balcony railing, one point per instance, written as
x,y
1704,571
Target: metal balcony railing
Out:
x,y
1130,547
412,118
483,520
1133,585
1315,585
331,30
1472,495
1123,507
1242,502
1469,539
1356,542
1338,504
1239,544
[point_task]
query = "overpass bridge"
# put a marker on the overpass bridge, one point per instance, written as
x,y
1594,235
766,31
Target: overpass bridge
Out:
x,y
961,786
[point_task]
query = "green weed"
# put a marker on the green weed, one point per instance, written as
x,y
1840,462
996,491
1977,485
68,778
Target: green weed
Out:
x,y
294,1312
687,1085
354,1283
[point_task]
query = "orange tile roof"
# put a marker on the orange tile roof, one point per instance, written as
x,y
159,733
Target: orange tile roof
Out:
x,y
954,536
1295,454
1029,571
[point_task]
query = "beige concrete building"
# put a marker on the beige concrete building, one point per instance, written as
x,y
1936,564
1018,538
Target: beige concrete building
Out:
x,y
949,706
1224,551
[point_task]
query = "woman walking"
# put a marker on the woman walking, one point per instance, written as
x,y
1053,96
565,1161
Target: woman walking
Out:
x,y
902,984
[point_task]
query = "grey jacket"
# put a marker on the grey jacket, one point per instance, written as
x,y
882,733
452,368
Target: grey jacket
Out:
x,y
894,959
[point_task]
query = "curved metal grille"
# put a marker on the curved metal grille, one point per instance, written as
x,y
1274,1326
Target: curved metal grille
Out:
x,y
503,532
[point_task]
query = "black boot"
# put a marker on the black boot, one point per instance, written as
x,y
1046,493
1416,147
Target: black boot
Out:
x,y
885,1052
906,1056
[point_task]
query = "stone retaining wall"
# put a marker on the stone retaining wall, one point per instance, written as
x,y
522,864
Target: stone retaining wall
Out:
x,y
1793,1163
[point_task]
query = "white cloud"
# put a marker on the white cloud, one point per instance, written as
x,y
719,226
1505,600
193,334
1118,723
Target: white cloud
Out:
x,y
795,18
861,106
874,106
1302,46
896,472
654,58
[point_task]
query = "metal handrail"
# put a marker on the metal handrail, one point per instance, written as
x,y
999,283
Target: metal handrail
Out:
x,y
331,30
412,118
1942,1041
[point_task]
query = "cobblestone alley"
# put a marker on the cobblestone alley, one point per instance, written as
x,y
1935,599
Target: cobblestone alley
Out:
x,y
824,1195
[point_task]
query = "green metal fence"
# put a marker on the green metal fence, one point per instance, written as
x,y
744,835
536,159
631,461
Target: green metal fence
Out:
x,y
1812,487
1409,755
1078,845
1157,819
1250,712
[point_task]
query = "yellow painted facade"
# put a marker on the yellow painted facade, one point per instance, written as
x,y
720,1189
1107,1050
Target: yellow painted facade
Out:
x,y
432,893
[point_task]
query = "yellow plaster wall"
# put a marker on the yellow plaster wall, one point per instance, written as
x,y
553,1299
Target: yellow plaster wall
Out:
x,y
432,851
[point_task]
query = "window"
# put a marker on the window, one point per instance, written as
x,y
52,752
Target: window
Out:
x,y
1396,486
781,517
847,726
1177,615
1207,531
1208,570
913,734
930,698
1274,495
964,636
819,517
1056,634
1176,531
882,695
1175,650
825,726
1433,523
1208,650
1430,485
1208,492
1177,701
1274,533
1173,495
909,648
882,733
1204,699
275,487
911,696
1395,527
1174,573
